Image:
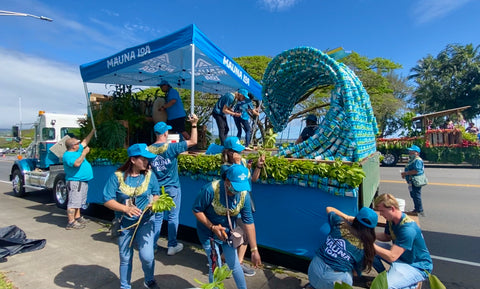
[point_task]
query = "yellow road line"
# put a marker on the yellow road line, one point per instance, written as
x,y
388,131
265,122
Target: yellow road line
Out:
x,y
435,184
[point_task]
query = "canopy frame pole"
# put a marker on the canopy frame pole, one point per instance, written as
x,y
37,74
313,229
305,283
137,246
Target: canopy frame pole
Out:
x,y
89,106
192,81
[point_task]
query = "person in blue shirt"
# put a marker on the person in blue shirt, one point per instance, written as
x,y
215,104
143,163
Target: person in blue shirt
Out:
x,y
129,192
232,154
414,167
176,115
348,248
78,171
245,108
210,209
223,107
165,169
407,253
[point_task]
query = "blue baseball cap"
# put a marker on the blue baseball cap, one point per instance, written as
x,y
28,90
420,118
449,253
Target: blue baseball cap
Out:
x,y
233,143
140,149
163,82
161,127
414,148
367,217
244,92
238,177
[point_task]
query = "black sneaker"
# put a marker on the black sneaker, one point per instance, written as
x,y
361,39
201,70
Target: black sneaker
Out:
x,y
74,226
151,285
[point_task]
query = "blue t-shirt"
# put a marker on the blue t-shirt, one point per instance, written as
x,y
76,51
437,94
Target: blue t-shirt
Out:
x,y
407,234
135,188
165,164
342,251
416,164
243,107
83,173
211,196
177,110
226,99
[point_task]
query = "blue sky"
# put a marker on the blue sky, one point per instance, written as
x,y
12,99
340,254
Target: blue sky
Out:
x,y
40,59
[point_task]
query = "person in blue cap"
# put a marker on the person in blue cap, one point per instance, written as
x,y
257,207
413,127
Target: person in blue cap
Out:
x,y
349,247
232,155
413,168
165,169
223,107
210,209
129,192
176,115
309,130
246,109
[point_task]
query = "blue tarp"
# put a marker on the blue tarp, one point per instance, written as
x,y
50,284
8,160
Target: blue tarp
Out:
x,y
170,58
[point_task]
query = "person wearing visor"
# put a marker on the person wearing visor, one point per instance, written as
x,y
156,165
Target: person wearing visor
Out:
x,y
210,209
223,107
245,108
311,121
129,192
349,247
414,168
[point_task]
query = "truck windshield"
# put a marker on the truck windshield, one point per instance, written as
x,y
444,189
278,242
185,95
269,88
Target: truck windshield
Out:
x,y
70,131
48,133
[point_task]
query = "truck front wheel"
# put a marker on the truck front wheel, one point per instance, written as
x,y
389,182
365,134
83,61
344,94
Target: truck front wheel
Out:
x,y
60,192
18,183
389,159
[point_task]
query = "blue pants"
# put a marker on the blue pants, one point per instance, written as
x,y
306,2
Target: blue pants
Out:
x,y
172,216
144,241
416,194
231,258
400,275
320,275
240,122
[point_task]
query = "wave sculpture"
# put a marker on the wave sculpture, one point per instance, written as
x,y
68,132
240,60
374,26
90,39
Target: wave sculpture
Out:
x,y
347,131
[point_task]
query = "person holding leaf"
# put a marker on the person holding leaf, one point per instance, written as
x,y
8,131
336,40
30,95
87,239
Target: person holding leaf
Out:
x,y
130,192
216,203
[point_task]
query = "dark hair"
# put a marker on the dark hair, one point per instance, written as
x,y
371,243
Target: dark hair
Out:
x,y
127,167
367,237
227,156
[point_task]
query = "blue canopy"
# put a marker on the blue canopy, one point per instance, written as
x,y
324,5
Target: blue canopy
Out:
x,y
186,59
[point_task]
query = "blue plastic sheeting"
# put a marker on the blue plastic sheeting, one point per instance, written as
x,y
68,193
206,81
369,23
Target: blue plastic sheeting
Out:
x,y
170,58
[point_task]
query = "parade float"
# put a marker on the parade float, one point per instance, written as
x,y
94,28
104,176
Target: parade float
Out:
x,y
338,166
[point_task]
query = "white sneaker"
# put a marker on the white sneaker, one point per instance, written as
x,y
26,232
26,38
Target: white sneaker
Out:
x,y
174,250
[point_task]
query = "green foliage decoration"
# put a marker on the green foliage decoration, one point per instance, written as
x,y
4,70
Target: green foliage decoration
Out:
x,y
219,275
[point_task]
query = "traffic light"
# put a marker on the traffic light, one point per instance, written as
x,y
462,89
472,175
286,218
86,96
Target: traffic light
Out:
x,y
15,131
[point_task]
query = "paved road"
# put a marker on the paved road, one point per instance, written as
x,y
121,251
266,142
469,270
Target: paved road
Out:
x,y
450,227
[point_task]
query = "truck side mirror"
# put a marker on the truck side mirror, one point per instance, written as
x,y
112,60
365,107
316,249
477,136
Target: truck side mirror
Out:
x,y
15,131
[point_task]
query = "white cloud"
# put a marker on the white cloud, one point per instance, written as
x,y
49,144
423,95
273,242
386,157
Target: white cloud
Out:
x,y
40,85
429,10
277,5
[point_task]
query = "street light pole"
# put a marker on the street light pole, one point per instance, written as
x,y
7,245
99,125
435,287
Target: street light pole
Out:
x,y
10,13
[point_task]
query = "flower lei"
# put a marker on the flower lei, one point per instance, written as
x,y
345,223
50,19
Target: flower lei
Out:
x,y
220,209
133,191
157,150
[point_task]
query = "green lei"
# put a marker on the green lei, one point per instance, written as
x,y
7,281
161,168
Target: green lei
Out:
x,y
220,209
407,219
157,150
133,191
